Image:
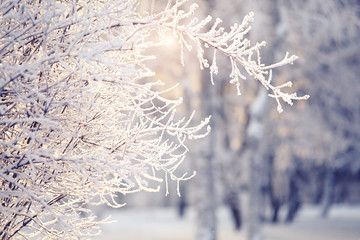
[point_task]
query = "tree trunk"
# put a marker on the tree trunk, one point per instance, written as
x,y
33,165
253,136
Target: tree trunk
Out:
x,y
182,204
232,200
252,156
294,199
275,204
265,27
328,192
206,205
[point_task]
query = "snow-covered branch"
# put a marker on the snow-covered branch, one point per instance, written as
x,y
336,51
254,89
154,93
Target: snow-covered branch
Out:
x,y
79,122
232,44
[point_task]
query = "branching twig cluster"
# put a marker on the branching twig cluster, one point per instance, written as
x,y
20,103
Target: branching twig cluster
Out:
x,y
78,124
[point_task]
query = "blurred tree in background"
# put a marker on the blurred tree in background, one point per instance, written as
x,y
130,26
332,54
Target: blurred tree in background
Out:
x,y
325,133
309,154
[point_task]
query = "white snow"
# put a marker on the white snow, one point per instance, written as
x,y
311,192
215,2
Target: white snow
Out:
x,y
164,224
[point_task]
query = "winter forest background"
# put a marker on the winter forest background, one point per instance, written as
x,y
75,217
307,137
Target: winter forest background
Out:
x,y
104,103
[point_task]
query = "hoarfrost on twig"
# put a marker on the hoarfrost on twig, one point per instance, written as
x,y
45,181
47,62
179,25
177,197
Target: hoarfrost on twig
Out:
x,y
78,123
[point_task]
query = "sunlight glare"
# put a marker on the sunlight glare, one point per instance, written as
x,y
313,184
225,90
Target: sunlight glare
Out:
x,y
169,41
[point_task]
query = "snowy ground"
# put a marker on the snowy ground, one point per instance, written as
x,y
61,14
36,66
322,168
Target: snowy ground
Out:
x,y
163,224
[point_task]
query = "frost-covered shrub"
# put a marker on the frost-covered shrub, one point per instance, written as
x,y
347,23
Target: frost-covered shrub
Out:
x,y
78,122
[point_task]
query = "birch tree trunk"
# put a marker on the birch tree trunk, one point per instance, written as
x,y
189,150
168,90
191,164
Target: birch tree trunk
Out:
x,y
252,159
205,204
265,27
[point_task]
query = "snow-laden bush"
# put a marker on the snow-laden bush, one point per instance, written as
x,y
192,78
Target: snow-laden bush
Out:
x,y
79,120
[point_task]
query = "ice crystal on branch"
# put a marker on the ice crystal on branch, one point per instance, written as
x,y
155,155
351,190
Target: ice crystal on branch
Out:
x,y
79,122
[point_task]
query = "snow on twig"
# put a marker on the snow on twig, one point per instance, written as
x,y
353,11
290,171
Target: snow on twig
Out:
x,y
77,118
